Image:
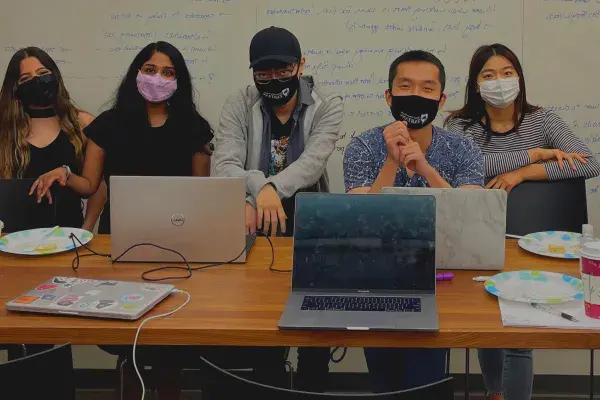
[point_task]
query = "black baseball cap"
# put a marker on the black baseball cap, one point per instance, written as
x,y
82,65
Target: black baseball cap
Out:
x,y
276,45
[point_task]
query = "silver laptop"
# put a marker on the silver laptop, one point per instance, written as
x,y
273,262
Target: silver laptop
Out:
x,y
202,218
470,226
363,262
91,298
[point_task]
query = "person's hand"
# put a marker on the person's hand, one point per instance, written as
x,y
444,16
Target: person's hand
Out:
x,y
269,211
412,157
560,156
43,184
506,181
250,219
395,136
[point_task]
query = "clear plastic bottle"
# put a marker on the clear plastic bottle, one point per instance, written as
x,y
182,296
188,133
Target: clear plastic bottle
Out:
x,y
587,235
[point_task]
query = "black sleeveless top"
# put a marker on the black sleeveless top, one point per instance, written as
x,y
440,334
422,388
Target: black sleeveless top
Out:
x,y
69,208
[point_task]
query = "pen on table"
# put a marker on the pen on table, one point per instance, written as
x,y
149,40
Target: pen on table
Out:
x,y
446,276
555,312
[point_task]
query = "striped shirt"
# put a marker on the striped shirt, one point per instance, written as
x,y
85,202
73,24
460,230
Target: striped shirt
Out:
x,y
506,152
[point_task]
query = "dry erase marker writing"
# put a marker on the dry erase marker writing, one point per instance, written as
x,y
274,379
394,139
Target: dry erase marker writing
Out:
x,y
447,276
555,312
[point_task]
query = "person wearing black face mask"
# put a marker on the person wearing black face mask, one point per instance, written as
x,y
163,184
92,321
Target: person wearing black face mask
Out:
x,y
411,152
279,134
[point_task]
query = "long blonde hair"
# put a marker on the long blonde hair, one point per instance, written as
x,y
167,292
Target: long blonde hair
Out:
x,y
14,123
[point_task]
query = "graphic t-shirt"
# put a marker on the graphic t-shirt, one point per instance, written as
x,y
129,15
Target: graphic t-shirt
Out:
x,y
280,135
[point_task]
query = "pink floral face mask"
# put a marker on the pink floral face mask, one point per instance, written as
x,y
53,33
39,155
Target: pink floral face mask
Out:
x,y
155,88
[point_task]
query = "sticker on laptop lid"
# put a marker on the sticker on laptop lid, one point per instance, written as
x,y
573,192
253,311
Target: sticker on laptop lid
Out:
x,y
25,299
155,288
107,283
103,304
68,300
93,292
130,306
49,297
84,306
45,287
131,298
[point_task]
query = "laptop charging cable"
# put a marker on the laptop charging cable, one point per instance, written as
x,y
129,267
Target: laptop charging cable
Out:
x,y
187,268
139,329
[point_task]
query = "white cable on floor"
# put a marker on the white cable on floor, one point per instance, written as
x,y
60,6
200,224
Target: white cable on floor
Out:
x,y
137,334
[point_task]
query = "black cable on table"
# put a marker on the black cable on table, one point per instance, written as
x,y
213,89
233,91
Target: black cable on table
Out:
x,y
187,268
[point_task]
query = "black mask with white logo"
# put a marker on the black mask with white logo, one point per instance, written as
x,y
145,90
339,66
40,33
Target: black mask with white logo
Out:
x,y
277,93
417,111
40,91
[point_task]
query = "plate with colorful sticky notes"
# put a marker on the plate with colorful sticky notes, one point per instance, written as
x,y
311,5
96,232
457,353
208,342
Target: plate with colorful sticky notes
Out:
x,y
556,244
535,287
44,241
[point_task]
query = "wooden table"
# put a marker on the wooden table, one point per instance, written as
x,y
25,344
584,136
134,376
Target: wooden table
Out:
x,y
241,304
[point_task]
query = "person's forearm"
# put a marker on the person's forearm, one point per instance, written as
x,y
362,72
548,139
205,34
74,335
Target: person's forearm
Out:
x,y
386,177
81,185
501,163
435,180
534,172
95,205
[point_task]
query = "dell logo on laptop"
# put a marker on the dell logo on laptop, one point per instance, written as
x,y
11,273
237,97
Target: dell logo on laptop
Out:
x,y
178,219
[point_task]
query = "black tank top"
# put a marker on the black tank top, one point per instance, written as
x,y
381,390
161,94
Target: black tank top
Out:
x,y
69,210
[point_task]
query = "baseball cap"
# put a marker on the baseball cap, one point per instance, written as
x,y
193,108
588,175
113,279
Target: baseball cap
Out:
x,y
274,45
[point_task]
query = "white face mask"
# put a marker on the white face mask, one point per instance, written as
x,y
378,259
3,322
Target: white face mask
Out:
x,y
500,93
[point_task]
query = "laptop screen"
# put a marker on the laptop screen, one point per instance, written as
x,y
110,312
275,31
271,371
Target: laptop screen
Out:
x,y
364,242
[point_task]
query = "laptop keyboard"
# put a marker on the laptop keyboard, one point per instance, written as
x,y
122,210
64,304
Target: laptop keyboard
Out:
x,y
360,303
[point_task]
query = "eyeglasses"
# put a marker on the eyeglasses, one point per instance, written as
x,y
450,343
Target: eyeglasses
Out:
x,y
282,75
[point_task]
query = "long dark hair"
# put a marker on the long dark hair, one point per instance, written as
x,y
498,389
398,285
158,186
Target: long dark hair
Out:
x,y
474,109
130,106
14,123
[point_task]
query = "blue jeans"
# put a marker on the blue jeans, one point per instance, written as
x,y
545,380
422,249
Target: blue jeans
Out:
x,y
507,371
392,369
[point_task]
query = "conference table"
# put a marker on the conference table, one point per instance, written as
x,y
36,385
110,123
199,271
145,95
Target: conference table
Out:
x,y
240,305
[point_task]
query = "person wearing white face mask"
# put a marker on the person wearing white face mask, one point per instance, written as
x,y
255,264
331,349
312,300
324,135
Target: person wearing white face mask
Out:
x,y
519,142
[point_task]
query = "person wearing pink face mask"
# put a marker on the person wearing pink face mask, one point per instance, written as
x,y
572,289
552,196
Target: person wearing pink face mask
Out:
x,y
152,129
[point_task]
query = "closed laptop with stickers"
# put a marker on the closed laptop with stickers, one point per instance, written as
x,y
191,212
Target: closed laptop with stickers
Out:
x,y
91,298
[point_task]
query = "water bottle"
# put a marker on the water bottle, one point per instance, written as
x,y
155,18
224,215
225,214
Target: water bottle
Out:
x,y
587,235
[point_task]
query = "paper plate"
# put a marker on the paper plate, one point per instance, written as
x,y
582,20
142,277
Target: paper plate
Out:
x,y
555,244
21,242
535,287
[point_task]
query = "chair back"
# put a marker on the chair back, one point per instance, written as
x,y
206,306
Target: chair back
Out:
x,y
45,375
547,206
19,211
236,387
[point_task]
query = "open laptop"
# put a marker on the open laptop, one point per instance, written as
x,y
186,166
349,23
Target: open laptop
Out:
x,y
204,219
363,262
470,226
91,298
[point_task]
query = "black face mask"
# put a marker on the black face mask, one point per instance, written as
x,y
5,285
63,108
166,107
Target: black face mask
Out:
x,y
40,91
417,111
277,93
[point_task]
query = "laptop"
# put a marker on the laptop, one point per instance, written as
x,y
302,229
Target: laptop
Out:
x,y
363,262
204,219
470,226
19,211
91,298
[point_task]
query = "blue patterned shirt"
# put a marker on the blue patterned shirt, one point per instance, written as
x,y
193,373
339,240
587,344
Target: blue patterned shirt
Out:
x,y
455,157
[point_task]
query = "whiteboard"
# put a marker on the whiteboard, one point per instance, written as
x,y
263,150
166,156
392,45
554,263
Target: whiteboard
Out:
x,y
348,47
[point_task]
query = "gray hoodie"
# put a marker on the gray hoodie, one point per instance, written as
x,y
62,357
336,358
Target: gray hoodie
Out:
x,y
242,151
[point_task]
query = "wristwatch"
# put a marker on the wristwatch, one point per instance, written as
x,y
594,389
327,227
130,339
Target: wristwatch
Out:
x,y
68,171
